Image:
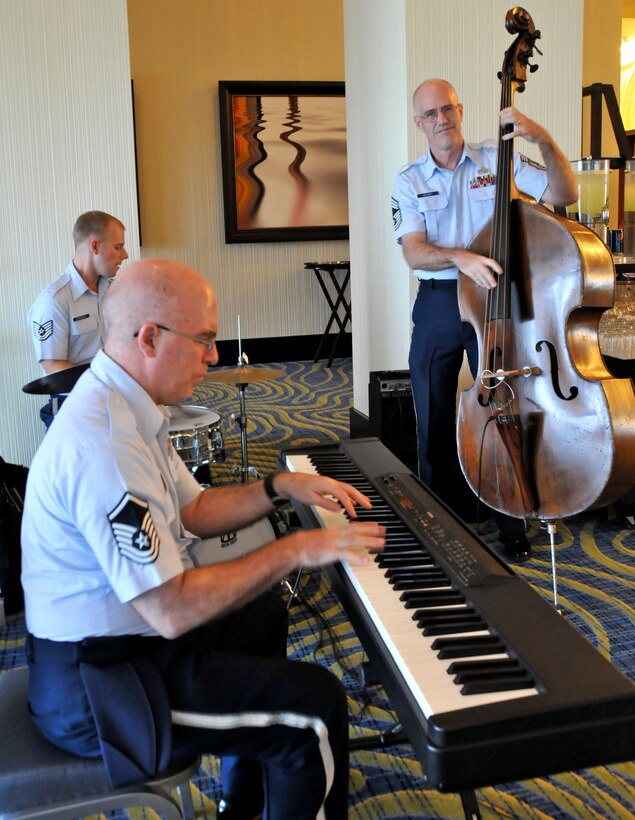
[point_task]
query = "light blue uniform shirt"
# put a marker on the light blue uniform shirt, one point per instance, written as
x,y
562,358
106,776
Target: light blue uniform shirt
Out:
x,y
101,521
65,319
451,207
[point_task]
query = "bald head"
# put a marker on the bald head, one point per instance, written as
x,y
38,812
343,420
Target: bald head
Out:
x,y
430,87
439,115
160,326
151,290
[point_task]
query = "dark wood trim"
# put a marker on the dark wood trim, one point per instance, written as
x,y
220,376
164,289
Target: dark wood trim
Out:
x,y
282,349
227,90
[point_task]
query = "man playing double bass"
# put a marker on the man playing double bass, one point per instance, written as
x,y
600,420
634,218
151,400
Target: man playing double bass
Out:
x,y
439,202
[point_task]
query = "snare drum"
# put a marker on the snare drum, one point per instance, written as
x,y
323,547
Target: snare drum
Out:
x,y
196,434
233,544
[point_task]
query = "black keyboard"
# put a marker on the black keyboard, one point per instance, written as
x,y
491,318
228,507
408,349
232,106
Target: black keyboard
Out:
x,y
490,683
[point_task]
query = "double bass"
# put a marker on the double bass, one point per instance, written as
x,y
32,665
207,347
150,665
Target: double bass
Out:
x,y
545,431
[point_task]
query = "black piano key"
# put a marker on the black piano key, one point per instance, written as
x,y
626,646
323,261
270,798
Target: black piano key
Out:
x,y
392,527
410,575
415,560
468,625
521,681
492,680
405,551
416,583
377,513
405,543
439,616
465,647
399,546
420,574
487,665
422,580
414,599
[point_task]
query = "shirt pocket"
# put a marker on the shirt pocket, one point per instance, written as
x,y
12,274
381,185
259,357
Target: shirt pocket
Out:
x,y
484,194
83,323
433,206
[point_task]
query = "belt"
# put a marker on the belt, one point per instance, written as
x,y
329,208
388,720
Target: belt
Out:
x,y
113,648
438,284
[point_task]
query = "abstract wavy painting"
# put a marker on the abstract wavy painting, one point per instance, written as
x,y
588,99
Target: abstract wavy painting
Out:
x,y
284,161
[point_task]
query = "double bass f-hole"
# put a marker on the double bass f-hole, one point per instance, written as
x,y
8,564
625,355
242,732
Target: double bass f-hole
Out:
x,y
555,381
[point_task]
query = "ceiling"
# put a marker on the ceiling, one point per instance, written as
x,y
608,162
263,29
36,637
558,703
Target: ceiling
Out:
x,y
628,8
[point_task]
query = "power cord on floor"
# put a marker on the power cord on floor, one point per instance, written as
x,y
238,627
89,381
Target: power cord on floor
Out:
x,y
365,676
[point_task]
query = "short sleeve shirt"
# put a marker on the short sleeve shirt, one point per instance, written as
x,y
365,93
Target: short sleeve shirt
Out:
x,y
101,522
65,319
451,207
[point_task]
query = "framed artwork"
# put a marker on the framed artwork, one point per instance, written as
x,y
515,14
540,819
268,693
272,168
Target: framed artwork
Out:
x,y
283,149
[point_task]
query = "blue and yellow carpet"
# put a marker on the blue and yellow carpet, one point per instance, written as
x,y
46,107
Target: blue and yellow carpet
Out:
x,y
310,403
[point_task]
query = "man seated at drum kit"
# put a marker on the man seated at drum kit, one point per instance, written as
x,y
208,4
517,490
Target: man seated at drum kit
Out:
x,y
65,319
129,644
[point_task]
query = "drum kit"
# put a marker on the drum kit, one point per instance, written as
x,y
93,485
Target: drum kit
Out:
x,y
195,431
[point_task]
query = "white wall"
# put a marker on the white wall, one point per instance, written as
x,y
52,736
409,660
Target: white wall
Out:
x,y
390,48
67,147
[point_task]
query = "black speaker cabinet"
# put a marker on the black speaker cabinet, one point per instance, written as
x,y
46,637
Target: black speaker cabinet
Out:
x,y
391,414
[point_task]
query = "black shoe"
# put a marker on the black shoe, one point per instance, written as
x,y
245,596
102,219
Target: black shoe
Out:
x,y
516,546
238,808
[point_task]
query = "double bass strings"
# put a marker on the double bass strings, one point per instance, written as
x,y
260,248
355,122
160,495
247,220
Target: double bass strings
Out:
x,y
498,307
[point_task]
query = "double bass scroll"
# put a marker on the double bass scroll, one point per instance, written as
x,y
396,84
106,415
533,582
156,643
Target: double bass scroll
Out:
x,y
545,431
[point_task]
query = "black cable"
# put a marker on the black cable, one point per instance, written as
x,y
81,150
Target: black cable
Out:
x,y
389,737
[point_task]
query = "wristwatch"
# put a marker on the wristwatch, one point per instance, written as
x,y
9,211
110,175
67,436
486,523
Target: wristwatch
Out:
x,y
272,495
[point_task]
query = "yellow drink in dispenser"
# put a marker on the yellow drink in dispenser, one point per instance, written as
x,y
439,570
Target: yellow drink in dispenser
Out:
x,y
592,206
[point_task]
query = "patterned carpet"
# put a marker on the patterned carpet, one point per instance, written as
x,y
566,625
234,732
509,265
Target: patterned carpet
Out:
x,y
596,572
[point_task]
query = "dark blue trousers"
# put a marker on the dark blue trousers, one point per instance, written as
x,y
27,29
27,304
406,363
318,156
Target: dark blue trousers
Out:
x,y
46,412
439,340
280,726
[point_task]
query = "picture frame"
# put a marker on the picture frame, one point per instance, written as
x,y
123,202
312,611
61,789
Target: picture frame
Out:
x,y
283,153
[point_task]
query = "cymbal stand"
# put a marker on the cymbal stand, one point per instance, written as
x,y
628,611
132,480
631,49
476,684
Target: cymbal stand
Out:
x,y
241,421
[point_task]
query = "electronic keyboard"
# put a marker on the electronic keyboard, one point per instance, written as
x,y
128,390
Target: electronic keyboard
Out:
x,y
491,683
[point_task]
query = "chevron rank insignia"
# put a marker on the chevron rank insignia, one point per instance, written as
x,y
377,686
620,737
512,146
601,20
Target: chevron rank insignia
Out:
x,y
44,331
134,530
396,213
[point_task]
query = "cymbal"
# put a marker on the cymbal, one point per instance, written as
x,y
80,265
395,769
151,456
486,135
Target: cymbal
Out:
x,y
243,374
62,381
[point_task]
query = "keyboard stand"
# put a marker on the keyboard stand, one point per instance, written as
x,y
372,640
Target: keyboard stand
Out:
x,y
470,805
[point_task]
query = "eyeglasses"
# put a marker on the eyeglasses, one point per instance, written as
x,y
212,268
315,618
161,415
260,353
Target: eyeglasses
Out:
x,y
206,342
432,114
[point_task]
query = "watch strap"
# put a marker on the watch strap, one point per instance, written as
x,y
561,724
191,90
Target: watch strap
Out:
x,y
275,499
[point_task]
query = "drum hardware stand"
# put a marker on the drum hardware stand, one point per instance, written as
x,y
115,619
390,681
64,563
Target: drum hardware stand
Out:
x,y
241,376
241,420
292,588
